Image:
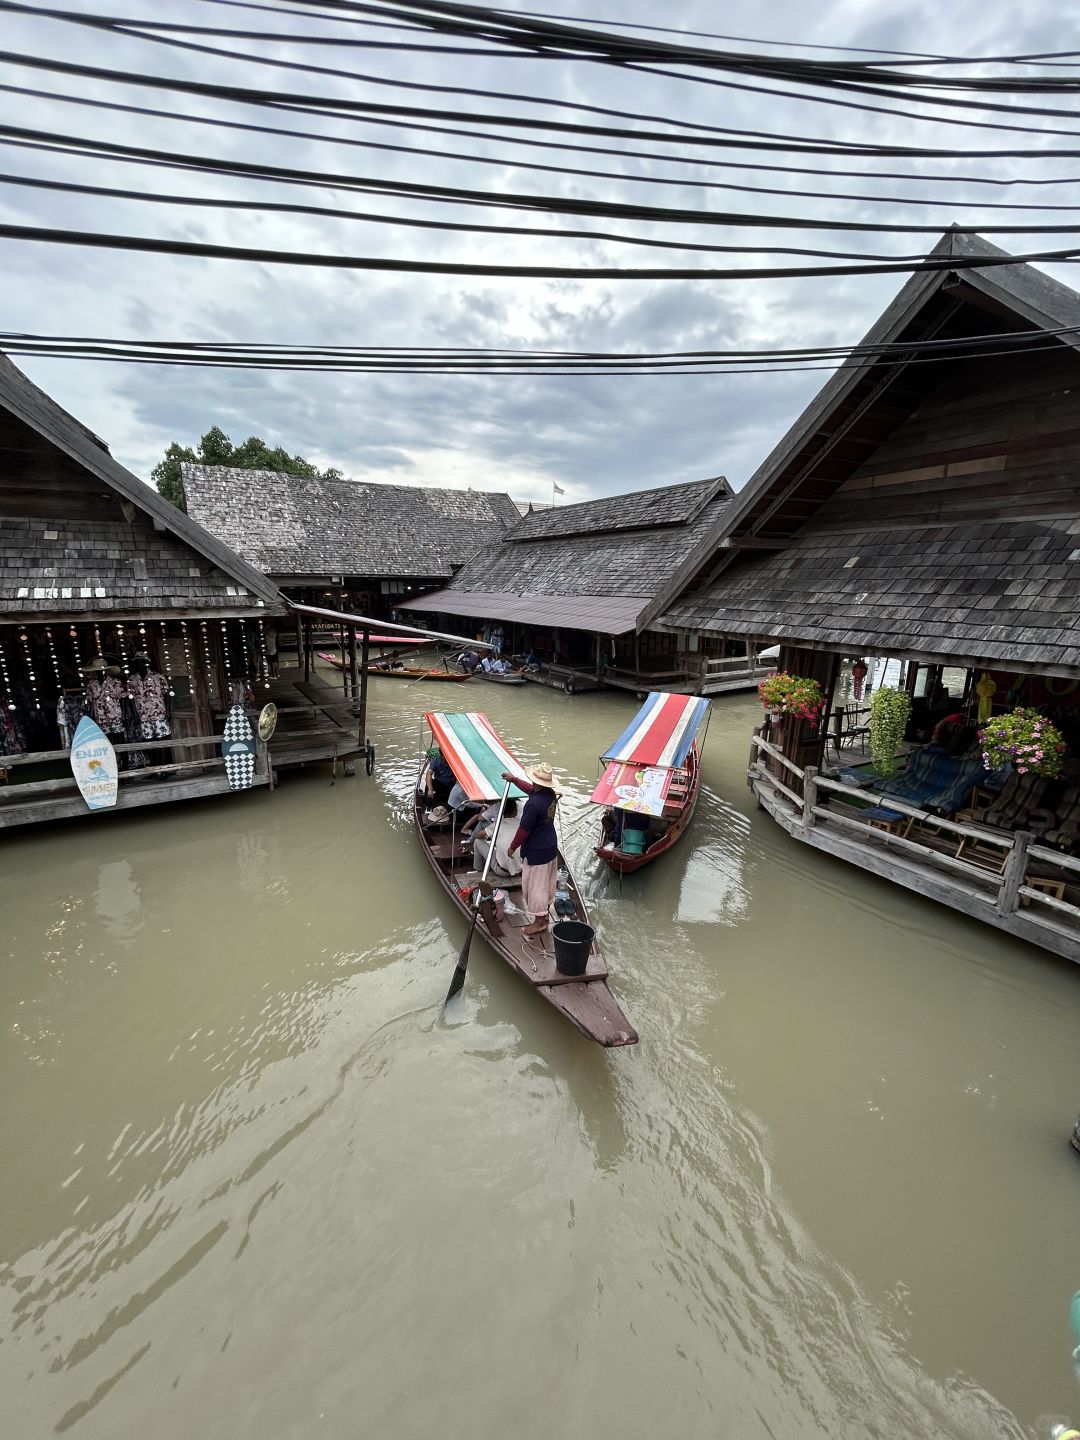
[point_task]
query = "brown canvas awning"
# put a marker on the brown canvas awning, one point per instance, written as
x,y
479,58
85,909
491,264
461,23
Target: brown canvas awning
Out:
x,y
602,614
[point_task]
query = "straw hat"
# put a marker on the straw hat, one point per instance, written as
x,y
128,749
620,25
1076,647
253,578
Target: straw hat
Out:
x,y
100,666
438,815
542,774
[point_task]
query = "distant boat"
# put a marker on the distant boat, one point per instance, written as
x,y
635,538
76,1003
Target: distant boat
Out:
x,y
653,774
406,672
510,677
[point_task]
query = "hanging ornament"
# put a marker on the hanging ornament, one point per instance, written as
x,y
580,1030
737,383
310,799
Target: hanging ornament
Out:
x,y
97,642
9,703
55,660
211,688
29,658
263,659
858,675
75,647
225,653
165,669
122,650
187,655
985,690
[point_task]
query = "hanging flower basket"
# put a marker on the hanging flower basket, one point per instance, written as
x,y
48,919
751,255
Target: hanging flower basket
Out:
x,y
798,695
890,711
1024,739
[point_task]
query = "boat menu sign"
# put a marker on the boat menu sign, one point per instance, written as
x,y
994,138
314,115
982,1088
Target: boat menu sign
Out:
x,y
93,763
634,787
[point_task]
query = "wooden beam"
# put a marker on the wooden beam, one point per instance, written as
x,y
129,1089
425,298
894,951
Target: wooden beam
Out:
x,y
752,542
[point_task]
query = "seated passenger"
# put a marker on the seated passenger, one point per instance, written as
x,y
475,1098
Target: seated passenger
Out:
x,y
502,862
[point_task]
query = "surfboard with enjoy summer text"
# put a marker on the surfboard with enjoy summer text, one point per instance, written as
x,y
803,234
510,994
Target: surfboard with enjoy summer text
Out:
x,y
93,763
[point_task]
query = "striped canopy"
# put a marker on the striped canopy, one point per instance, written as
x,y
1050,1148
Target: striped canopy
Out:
x,y
475,753
662,733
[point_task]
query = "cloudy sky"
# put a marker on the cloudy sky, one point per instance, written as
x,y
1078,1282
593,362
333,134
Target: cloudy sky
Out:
x,y
592,436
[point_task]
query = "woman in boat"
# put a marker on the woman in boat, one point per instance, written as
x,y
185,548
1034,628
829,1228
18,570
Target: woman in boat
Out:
x,y
502,861
439,779
538,842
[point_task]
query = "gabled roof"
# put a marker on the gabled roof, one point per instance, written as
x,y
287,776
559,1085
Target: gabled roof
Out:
x,y
30,406
606,565
305,527
949,560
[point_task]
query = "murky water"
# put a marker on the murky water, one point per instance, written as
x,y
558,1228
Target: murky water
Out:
x,y
254,1184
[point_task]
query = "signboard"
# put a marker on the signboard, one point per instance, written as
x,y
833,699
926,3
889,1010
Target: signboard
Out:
x,y
93,763
633,787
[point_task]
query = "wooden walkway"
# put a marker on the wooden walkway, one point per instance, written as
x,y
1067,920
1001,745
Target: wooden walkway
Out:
x,y
316,721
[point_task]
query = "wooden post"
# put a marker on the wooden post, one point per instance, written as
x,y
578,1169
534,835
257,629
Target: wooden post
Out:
x,y
362,727
344,667
307,648
299,637
809,794
599,657
1012,877
352,665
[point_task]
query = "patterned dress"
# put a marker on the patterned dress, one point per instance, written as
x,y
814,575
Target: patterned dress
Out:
x,y
106,699
149,696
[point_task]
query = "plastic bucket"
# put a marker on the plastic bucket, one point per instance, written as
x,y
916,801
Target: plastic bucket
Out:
x,y
633,842
573,942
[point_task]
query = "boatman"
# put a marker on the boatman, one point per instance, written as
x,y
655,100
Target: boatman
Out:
x,y
539,845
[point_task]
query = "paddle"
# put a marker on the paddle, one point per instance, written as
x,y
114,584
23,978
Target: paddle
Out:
x,y
458,979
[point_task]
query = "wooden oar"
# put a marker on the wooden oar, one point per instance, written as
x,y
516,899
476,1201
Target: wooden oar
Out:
x,y
458,979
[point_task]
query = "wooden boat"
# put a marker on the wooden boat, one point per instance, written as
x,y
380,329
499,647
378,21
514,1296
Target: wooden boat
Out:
x,y
652,780
514,677
406,672
478,757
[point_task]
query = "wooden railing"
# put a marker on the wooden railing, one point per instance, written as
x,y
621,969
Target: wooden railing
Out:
x,y
1002,888
42,788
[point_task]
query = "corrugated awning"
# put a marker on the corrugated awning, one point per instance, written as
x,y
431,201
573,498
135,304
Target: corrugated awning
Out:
x,y
662,733
474,752
603,614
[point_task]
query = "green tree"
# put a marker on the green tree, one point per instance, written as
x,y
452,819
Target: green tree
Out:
x,y
215,448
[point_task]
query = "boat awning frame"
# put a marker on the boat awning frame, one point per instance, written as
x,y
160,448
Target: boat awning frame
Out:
x,y
365,622
597,614
475,753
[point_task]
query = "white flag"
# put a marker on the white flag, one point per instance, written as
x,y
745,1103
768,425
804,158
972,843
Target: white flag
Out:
x,y
557,489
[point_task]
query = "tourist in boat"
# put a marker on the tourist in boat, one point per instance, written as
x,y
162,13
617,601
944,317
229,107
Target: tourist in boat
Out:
x,y
440,779
502,861
470,660
538,842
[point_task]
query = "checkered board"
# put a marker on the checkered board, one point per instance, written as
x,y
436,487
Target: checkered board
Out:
x,y
238,748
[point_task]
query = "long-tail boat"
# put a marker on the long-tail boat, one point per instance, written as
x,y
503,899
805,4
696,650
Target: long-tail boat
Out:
x,y
651,781
400,672
478,757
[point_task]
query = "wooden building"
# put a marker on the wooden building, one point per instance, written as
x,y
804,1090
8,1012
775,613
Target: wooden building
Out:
x,y
348,544
96,568
926,506
579,586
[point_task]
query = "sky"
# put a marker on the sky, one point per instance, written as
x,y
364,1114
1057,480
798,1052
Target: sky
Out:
x,y
590,436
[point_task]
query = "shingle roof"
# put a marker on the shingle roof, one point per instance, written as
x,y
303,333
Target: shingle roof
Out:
x,y
992,590
584,555
979,589
294,525
157,559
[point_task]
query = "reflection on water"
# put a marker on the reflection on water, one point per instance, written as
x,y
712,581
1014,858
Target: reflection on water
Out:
x,y
258,1183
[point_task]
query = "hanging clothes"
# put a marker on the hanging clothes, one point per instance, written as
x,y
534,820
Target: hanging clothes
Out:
x,y
150,696
133,733
12,734
106,699
70,709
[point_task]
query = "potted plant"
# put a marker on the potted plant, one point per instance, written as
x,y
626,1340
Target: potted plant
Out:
x,y
799,695
1024,739
890,711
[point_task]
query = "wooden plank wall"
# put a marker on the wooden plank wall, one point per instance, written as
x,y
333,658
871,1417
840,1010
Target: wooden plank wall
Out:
x,y
998,439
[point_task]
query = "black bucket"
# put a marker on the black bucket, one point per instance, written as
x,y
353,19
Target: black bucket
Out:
x,y
573,942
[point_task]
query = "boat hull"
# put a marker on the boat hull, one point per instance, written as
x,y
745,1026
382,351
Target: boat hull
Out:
x,y
587,1003
627,864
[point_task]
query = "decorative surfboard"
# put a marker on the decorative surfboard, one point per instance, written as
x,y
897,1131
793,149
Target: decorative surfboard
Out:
x,y
238,748
93,763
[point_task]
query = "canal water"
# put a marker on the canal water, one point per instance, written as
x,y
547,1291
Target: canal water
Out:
x,y
256,1183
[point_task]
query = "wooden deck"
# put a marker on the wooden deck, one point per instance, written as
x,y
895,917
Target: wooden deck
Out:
x,y
944,860
316,722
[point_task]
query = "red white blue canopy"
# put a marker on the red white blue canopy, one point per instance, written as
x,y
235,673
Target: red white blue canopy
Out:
x,y
662,733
